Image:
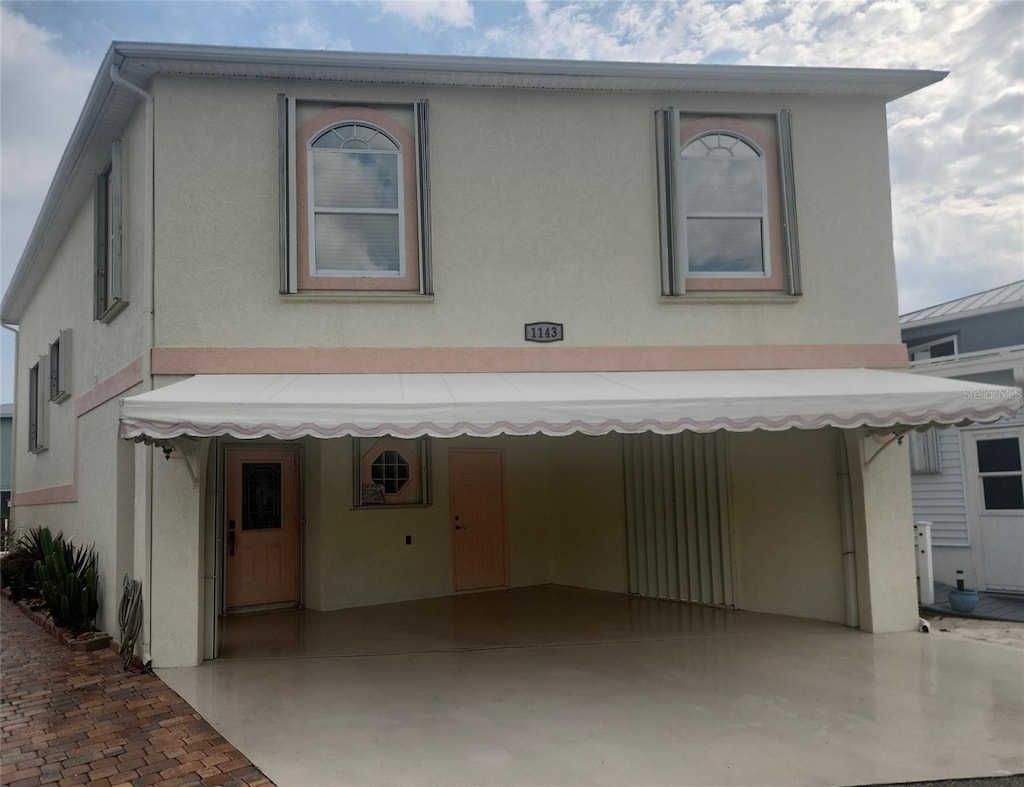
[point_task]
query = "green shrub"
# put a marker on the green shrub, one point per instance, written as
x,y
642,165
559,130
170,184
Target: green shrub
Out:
x,y
17,569
17,572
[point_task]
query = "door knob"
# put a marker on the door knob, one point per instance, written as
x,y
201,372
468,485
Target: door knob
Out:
x,y
459,527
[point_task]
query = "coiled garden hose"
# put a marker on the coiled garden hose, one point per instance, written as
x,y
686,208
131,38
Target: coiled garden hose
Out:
x,y
130,618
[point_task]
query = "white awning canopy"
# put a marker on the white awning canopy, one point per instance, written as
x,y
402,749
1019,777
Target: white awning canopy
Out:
x,y
288,406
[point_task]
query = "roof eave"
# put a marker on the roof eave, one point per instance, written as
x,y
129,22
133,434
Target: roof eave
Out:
x,y
889,84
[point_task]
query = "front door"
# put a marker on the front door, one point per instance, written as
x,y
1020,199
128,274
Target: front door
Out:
x,y
996,501
261,526
477,519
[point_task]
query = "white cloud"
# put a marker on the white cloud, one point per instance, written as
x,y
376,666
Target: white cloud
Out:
x,y
41,94
432,14
33,134
297,29
956,148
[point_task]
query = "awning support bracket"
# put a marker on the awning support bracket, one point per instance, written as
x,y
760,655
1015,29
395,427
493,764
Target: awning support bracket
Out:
x,y
184,446
883,441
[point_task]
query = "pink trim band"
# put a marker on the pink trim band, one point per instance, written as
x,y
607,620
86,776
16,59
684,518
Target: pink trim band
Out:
x,y
119,382
104,391
409,360
53,494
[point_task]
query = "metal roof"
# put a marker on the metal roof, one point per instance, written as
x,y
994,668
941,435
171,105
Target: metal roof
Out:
x,y
1008,296
110,105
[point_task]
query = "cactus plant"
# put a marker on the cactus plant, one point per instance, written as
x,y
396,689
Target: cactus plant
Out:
x,y
68,580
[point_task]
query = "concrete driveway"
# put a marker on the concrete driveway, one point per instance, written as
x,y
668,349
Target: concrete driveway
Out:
x,y
555,686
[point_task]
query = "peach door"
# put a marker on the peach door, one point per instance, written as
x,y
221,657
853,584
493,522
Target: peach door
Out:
x,y
261,527
477,519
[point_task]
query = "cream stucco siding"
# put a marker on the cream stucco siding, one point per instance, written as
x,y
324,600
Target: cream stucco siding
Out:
x,y
358,556
177,568
521,217
784,512
883,517
82,464
588,530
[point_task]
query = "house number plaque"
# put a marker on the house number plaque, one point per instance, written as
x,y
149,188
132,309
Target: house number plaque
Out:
x,y
544,332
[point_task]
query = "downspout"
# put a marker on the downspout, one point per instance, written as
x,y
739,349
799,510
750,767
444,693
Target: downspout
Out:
x,y
149,332
852,617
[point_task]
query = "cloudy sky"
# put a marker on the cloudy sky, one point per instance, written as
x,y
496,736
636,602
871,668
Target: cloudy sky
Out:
x,y
956,148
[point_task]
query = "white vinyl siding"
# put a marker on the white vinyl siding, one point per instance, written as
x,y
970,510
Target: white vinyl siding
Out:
x,y
939,497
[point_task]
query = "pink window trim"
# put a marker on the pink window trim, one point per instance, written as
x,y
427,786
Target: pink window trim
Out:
x,y
774,281
309,131
412,451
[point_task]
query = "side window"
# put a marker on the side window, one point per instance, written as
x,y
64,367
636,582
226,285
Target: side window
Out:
x,y
391,471
937,348
357,196
37,388
924,452
108,296
60,365
999,468
728,215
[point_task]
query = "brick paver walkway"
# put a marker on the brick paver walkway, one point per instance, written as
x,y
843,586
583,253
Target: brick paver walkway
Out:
x,y
78,718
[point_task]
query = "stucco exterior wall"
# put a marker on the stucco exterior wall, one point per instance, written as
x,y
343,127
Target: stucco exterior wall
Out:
x,y
588,531
786,534
83,465
544,206
358,556
177,568
884,535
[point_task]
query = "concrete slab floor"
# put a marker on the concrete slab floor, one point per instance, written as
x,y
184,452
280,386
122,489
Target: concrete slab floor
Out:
x,y
595,688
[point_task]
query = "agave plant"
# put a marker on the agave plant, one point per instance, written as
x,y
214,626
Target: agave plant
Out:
x,y
69,582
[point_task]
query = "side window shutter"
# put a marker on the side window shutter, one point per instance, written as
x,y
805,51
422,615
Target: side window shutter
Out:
x,y
423,194
41,399
115,222
673,279
788,187
284,188
100,252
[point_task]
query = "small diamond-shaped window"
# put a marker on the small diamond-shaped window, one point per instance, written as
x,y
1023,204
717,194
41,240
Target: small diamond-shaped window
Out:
x,y
391,471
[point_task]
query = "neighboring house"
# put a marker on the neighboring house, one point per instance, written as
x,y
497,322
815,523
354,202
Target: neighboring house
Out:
x,y
6,457
410,326
968,482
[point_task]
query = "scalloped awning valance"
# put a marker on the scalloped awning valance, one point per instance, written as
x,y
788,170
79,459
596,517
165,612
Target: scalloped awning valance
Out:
x,y
289,406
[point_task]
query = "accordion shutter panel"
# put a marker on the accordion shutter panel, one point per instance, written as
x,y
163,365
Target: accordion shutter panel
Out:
x,y
677,517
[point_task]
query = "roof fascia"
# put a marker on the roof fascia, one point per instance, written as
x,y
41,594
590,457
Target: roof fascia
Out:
x,y
889,84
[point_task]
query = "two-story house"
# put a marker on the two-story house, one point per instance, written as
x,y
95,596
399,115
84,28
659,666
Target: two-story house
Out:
x,y
411,326
968,482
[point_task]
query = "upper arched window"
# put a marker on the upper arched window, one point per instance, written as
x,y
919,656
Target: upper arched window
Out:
x,y
727,209
725,206
355,173
354,197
